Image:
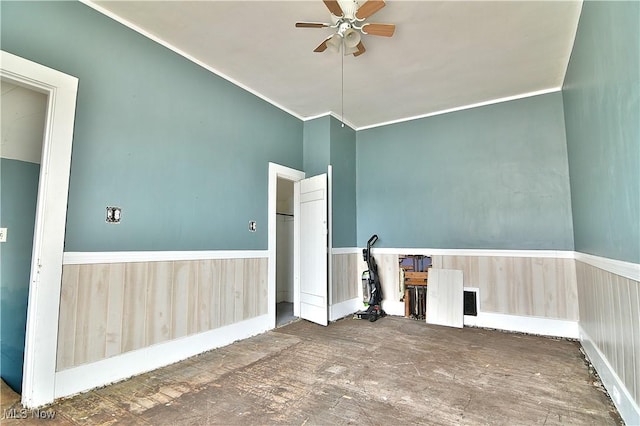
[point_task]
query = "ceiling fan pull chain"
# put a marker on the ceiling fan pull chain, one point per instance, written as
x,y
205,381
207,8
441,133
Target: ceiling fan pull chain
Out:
x,y
342,82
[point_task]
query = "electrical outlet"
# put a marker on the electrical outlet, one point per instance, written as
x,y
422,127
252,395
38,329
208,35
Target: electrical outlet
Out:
x,y
3,235
113,214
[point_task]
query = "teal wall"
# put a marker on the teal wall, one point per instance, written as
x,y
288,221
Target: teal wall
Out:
x,y
18,197
493,177
343,160
602,113
183,152
317,146
326,142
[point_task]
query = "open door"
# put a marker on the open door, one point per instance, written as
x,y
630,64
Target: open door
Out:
x,y
313,197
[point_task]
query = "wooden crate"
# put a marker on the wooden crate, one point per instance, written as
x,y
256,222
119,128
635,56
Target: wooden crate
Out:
x,y
416,278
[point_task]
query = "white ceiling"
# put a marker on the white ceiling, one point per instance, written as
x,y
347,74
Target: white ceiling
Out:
x,y
444,54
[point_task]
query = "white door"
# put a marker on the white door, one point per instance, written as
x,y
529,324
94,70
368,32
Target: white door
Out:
x,y
314,235
445,298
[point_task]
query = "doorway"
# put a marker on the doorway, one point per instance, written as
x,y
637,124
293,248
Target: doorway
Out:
x,y
315,287
281,184
23,121
41,330
284,252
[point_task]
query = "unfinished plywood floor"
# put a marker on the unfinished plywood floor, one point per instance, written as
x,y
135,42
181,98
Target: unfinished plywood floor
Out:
x,y
391,372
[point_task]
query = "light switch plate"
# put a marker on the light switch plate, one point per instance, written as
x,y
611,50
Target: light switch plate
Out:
x,y
3,235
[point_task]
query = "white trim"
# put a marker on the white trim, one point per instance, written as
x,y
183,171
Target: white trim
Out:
x,y
86,258
329,252
346,250
343,120
524,324
41,335
185,55
88,376
393,307
343,309
618,267
314,117
277,171
332,114
463,107
296,249
559,254
624,402
624,269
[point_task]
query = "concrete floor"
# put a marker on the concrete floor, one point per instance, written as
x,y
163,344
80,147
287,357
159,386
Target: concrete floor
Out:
x,y
391,372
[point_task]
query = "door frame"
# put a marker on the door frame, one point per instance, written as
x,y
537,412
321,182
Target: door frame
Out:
x,y
277,171
41,336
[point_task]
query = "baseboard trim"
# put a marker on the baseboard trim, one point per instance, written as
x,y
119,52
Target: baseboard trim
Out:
x,y
624,402
525,324
86,258
88,376
393,307
343,309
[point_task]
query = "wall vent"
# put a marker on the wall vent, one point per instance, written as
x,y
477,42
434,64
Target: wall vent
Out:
x,y
471,303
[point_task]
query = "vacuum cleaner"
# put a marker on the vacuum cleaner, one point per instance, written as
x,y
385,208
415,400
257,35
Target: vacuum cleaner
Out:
x,y
371,288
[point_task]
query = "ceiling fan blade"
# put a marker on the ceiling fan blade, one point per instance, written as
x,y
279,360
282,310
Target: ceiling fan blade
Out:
x,y
385,30
311,25
361,50
369,8
323,46
334,7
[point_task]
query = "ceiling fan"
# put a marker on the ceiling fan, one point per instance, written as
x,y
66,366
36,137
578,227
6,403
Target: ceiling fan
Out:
x,y
347,17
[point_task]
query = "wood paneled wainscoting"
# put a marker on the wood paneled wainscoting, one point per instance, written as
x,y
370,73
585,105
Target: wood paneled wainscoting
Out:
x,y
519,291
111,309
527,286
610,328
345,296
528,293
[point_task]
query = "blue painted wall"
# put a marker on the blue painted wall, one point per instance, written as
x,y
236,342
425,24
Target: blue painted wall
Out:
x,y
602,113
327,142
19,192
343,160
317,146
182,151
494,177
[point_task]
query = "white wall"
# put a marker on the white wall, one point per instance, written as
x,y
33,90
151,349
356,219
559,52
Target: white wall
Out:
x,y
284,261
22,118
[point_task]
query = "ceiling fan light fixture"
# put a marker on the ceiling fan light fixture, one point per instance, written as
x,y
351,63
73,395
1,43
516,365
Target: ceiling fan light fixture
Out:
x,y
347,19
348,50
351,38
335,42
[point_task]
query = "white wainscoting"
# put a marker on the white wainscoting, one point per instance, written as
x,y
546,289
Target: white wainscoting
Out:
x,y
110,370
623,400
610,330
113,308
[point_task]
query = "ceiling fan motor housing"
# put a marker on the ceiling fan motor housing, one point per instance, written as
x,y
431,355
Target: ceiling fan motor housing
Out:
x,y
349,8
